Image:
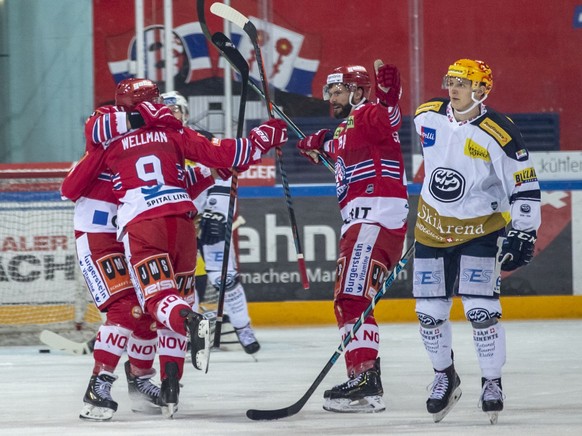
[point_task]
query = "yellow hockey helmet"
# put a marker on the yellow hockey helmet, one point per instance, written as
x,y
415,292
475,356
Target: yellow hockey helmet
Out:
x,y
478,72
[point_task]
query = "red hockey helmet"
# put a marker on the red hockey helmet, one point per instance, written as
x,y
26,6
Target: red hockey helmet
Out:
x,y
352,77
131,92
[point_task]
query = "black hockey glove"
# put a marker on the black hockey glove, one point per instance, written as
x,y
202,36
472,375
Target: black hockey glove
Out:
x,y
135,120
517,249
212,228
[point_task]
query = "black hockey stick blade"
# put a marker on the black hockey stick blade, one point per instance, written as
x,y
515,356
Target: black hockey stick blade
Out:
x,y
231,53
269,415
263,415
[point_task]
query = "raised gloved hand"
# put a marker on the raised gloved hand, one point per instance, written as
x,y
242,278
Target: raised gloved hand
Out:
x,y
308,145
212,228
272,133
157,115
388,89
517,249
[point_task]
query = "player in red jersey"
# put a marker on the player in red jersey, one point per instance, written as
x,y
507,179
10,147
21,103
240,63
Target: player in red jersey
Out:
x,y
102,261
155,213
372,194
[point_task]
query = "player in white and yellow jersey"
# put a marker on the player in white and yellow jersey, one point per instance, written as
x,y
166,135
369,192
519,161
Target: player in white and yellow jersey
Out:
x,y
478,179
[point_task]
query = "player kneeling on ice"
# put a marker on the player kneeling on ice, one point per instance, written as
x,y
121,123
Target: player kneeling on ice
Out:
x,y
371,189
478,173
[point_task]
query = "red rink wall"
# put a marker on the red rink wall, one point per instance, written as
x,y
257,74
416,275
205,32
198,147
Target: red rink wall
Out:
x,y
533,47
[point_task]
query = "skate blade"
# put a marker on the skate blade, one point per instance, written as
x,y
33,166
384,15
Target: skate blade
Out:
x,y
438,417
95,413
372,404
169,410
201,359
146,408
493,416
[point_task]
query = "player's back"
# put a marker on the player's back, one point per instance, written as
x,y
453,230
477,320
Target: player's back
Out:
x,y
147,167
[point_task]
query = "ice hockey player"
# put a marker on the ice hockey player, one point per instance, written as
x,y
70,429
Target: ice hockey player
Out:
x,y
155,213
214,204
477,174
372,195
102,262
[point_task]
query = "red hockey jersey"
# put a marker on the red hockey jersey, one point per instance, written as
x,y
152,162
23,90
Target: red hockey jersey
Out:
x,y
371,182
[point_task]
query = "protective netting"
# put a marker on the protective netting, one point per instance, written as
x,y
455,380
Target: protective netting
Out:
x,y
40,283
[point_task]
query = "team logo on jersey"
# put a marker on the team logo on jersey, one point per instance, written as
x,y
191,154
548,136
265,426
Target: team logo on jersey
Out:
x,y
428,136
524,176
340,179
447,185
475,151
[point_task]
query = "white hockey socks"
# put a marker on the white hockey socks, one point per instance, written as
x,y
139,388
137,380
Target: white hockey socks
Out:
x,y
235,304
438,344
491,351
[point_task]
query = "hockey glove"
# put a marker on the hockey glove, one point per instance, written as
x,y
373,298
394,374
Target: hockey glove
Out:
x,y
517,249
158,115
212,228
135,120
308,145
388,89
226,173
272,133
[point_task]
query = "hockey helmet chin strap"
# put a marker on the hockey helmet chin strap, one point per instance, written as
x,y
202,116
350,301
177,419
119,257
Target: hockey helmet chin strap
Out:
x,y
474,105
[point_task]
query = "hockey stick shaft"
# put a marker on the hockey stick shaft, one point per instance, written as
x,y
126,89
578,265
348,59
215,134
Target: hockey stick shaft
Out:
x,y
234,16
325,159
233,56
229,51
258,415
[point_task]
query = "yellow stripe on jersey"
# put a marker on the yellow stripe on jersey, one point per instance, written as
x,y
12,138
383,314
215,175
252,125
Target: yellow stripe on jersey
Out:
x,y
475,151
433,106
496,131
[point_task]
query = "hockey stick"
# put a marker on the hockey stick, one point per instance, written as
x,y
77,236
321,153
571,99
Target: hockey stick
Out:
x,y
229,51
325,159
257,415
58,342
234,16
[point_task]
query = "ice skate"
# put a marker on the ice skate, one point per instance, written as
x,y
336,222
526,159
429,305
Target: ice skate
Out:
x,y
99,405
246,337
144,395
491,400
170,390
445,393
198,329
360,394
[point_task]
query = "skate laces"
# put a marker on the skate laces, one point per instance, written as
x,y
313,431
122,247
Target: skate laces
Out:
x,y
439,386
351,383
491,392
246,335
145,386
103,386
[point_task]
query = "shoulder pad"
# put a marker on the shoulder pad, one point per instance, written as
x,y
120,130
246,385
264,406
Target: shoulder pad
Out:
x,y
502,130
438,105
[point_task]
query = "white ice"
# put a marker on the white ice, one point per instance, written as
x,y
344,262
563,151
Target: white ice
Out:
x,y
41,394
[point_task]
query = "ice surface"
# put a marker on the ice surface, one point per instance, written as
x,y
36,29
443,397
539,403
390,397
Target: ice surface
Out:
x,y
41,394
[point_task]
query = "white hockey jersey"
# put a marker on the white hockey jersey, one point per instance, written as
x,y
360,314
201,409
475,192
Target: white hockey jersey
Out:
x,y
478,176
